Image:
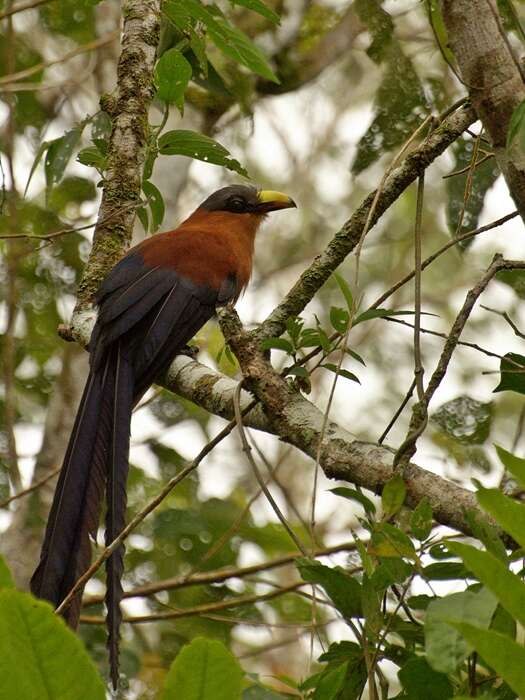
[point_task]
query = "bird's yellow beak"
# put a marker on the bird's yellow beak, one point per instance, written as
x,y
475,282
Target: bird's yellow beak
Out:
x,y
270,200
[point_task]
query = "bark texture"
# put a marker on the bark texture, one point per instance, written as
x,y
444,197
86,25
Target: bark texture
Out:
x,y
128,109
493,78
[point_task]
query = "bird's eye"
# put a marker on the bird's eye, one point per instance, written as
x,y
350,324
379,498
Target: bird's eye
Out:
x,y
237,204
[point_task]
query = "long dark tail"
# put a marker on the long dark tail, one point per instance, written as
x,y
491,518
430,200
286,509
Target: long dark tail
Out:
x,y
97,455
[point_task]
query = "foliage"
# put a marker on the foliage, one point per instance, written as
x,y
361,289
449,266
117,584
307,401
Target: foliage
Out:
x,y
420,612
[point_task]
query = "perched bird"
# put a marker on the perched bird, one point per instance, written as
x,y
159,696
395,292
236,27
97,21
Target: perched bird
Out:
x,y
149,306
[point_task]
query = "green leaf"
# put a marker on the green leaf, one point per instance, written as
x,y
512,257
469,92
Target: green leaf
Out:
x,y
399,102
445,648
506,586
298,372
59,154
38,157
277,344
228,39
341,372
390,541
465,420
41,658
204,670
341,588
512,463
444,571
142,213
482,179
354,495
156,204
261,9
92,158
172,75
391,570
515,279
194,145
339,318
503,654
421,520
393,495
485,532
355,355
346,291
512,373
506,512
379,313
516,124
6,578
421,681
331,683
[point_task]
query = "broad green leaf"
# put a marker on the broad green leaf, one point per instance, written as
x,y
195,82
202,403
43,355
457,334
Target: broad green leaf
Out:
x,y
444,646
421,681
506,512
506,586
172,75
465,419
156,204
444,571
346,291
6,578
341,372
92,158
204,670
458,204
341,588
515,279
393,495
195,145
228,39
421,520
41,658
331,683
503,654
512,373
390,541
389,571
354,495
355,356
277,344
339,318
59,154
261,9
485,532
512,463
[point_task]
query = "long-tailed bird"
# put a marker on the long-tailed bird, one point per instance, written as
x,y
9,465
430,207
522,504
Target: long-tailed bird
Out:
x,y
149,306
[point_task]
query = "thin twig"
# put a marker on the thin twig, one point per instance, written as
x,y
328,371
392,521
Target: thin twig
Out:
x,y
29,490
247,451
139,517
22,7
90,46
219,575
439,252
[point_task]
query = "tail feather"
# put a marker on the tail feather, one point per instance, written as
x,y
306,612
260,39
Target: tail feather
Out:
x,y
63,541
118,467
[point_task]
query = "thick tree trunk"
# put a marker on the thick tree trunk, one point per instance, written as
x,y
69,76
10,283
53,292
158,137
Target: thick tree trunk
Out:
x,y
493,78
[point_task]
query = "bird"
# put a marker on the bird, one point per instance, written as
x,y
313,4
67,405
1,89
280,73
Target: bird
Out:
x,y
149,306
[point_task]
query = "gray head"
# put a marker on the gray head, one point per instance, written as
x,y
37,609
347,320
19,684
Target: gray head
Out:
x,y
243,199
